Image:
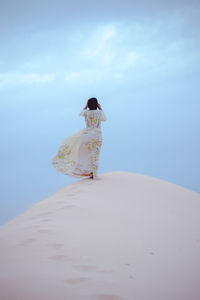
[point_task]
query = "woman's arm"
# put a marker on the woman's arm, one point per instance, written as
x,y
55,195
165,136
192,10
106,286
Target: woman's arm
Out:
x,y
99,106
84,110
102,115
86,105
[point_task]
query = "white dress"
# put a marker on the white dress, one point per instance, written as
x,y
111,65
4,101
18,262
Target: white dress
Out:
x,y
79,154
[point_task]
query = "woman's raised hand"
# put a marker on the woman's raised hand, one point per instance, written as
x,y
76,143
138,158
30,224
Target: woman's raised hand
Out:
x,y
99,106
86,105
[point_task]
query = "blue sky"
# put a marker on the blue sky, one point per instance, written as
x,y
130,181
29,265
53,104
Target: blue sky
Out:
x,y
139,58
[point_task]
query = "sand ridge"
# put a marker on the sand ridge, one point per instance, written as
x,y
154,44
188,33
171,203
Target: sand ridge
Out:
x,y
120,236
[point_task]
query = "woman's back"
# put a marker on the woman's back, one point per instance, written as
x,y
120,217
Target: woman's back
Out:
x,y
93,118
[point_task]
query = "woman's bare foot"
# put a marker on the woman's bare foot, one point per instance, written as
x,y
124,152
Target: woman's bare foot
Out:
x,y
90,174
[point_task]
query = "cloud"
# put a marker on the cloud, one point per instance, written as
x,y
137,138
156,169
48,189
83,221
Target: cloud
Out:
x,y
52,13
123,50
98,57
15,78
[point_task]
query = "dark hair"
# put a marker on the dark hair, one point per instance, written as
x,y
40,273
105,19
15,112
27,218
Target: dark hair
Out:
x,y
92,103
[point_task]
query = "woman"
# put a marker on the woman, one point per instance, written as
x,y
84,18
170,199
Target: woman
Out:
x,y
78,155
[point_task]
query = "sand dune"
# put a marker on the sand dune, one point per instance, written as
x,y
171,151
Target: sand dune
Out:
x,y
121,236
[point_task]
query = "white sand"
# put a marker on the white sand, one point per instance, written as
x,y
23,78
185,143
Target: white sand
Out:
x,y
121,236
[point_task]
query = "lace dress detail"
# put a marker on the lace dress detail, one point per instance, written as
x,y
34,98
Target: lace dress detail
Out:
x,y
78,155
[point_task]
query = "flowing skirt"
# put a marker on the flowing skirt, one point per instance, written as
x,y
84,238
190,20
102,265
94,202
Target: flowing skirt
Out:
x,y
78,155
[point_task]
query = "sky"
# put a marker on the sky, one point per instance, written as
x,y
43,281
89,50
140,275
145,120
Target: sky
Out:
x,y
139,58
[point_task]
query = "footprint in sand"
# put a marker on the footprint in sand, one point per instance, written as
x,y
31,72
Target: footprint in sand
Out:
x,y
47,220
76,191
39,216
32,226
60,202
76,280
44,231
85,268
106,297
56,245
68,206
106,271
33,218
71,195
59,257
47,213
26,242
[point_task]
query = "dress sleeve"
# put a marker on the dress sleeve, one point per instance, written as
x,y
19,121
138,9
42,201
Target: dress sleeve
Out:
x,y
82,113
102,116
